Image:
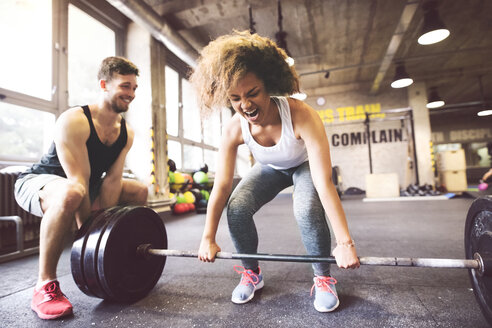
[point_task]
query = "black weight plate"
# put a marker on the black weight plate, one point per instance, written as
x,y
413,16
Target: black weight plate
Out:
x,y
89,259
478,239
77,254
124,275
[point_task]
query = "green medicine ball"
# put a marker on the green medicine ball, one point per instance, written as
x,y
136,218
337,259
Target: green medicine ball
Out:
x,y
205,194
200,177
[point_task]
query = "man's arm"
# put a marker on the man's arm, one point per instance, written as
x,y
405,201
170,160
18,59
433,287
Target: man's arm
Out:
x,y
113,179
71,133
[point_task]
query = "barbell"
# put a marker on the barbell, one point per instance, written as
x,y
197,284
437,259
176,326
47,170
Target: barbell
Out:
x,y
119,254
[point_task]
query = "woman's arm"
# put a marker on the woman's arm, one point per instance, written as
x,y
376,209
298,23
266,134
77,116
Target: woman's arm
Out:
x,y
309,127
231,139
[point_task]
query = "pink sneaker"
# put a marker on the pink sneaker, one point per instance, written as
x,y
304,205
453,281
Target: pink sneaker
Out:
x,y
326,297
250,282
49,302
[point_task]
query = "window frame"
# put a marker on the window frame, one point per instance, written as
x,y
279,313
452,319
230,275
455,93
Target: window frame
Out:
x,y
100,11
181,68
25,100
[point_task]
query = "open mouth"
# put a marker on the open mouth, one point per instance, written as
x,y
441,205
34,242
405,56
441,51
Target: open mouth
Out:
x,y
252,113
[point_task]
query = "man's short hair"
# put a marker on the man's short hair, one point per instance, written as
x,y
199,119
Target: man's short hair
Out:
x,y
115,64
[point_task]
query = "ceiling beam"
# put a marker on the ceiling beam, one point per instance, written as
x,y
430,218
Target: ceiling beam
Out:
x,y
405,19
428,56
142,14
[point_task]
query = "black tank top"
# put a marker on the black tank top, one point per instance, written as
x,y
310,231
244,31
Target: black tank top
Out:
x,y
101,157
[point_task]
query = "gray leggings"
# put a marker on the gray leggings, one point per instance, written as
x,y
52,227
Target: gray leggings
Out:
x,y
259,187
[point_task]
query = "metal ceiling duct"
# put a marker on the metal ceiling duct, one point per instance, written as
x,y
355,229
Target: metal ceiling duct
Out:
x,y
142,14
405,19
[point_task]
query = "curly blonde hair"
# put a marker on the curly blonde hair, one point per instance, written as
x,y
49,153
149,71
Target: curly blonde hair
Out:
x,y
230,57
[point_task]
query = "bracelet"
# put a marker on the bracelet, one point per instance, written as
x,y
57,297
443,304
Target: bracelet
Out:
x,y
349,244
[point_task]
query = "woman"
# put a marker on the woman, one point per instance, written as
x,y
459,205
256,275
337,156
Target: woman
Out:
x,y
288,140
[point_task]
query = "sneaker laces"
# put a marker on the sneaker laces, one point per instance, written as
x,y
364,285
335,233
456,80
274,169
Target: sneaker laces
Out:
x,y
51,292
249,277
324,284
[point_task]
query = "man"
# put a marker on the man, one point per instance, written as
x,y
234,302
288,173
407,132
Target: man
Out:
x,y
69,181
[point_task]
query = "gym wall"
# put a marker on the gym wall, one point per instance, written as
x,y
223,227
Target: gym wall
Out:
x,y
343,116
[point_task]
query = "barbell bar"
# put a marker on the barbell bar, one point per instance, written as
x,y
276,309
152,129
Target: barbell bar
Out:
x,y
476,263
119,254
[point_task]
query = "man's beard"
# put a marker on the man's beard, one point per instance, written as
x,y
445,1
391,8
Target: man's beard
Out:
x,y
118,109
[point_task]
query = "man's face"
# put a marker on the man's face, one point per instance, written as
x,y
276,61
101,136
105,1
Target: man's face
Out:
x,y
120,91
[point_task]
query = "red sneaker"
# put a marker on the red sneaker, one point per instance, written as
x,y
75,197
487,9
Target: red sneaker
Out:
x,y
49,302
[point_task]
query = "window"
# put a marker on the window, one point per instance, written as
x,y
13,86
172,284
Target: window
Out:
x,y
174,152
35,72
26,58
189,145
89,43
172,101
192,157
210,128
191,114
226,116
210,157
27,111
25,134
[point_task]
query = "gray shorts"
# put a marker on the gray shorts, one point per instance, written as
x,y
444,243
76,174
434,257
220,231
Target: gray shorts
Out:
x,y
27,189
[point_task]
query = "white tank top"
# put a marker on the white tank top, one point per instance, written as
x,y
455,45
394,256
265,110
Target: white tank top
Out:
x,y
288,152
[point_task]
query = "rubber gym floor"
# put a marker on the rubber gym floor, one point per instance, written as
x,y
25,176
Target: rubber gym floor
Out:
x,y
195,294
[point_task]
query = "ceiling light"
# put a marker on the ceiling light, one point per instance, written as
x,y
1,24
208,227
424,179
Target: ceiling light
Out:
x,y
402,79
299,96
434,29
486,112
433,100
435,104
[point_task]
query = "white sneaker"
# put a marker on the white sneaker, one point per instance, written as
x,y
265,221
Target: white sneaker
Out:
x,y
326,298
250,282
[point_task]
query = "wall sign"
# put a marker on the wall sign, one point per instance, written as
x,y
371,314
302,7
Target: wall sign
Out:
x,y
359,138
462,136
343,116
350,113
357,113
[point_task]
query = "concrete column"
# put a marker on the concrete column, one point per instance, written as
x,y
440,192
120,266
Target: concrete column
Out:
x,y
160,191
147,116
139,116
417,99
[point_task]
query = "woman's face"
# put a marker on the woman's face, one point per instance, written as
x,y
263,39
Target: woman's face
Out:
x,y
250,99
